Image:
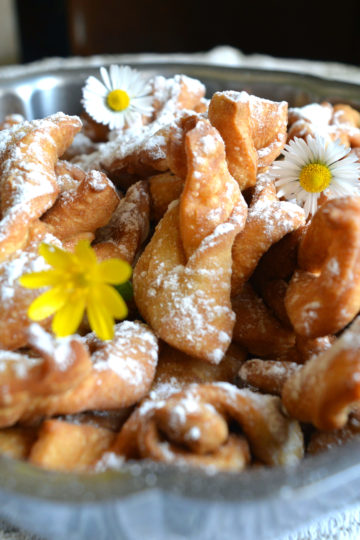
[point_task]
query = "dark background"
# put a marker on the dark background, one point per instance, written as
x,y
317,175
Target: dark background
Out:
x,y
313,30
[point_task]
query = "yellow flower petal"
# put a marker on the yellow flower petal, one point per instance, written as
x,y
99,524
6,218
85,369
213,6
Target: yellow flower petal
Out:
x,y
67,320
114,271
55,256
112,301
35,280
100,320
46,304
84,253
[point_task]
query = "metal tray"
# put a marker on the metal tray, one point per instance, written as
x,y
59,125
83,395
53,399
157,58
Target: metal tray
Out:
x,y
152,501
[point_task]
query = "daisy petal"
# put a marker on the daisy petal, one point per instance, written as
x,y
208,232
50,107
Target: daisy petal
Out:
x,y
94,86
94,95
105,77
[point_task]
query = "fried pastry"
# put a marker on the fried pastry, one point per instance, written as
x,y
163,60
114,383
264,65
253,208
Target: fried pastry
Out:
x,y
268,221
256,328
323,391
347,119
326,440
192,311
16,442
253,129
324,293
28,154
68,175
269,376
198,419
241,338
71,214
11,120
64,446
164,188
176,148
175,94
121,372
339,122
15,299
210,193
176,370
128,226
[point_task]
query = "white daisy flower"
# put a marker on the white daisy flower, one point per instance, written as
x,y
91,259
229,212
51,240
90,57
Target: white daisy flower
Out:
x,y
313,167
120,99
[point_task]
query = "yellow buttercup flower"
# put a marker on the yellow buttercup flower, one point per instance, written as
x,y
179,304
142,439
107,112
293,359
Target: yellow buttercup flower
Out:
x,y
78,283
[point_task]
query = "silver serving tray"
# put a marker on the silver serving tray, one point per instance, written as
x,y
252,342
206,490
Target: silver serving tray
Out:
x,y
148,501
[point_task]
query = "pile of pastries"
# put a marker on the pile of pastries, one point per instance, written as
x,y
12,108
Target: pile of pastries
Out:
x,y
242,343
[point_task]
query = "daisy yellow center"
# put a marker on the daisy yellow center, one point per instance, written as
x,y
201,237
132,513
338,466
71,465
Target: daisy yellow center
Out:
x,y
118,100
315,177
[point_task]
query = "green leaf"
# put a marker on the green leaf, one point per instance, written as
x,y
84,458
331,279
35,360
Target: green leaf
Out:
x,y
126,290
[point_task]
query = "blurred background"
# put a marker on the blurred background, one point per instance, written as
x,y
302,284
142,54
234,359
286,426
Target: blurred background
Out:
x,y
35,29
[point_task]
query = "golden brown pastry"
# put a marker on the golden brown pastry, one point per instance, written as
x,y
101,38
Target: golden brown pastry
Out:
x,y
72,214
324,390
256,328
176,370
64,446
128,226
118,374
196,424
268,221
28,155
324,293
16,299
253,129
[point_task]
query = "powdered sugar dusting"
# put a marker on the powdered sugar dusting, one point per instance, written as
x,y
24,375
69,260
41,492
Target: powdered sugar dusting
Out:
x,y
59,350
130,354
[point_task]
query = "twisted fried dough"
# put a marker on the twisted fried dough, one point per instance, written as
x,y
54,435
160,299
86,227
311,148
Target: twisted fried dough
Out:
x,y
28,154
253,129
72,212
187,303
210,193
164,188
269,376
68,175
64,446
256,328
121,372
325,440
340,122
128,226
176,152
186,266
196,426
323,391
137,154
16,442
15,299
176,370
267,222
324,294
